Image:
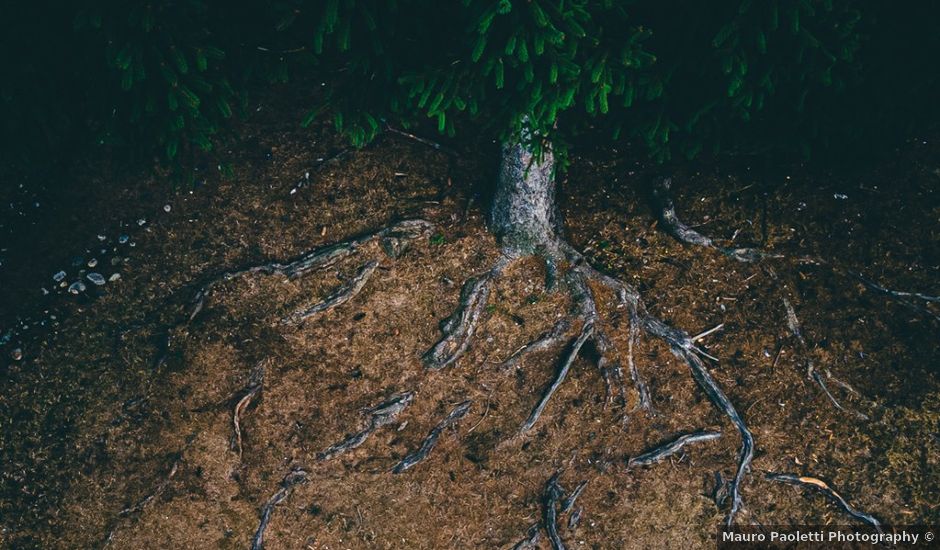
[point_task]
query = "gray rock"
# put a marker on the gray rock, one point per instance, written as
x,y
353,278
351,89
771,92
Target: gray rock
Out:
x,y
96,278
92,262
77,287
123,239
114,277
58,277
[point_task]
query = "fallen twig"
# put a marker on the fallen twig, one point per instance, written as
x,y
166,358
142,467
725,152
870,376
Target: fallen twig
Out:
x,y
672,447
431,440
824,488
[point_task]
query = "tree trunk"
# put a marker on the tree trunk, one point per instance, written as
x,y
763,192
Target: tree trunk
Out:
x,y
524,215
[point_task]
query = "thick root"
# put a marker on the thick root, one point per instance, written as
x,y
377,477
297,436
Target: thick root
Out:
x,y
339,297
459,328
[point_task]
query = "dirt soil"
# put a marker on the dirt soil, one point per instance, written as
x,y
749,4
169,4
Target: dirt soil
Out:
x,y
105,444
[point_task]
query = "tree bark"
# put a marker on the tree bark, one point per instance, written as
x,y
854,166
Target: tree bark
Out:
x,y
524,215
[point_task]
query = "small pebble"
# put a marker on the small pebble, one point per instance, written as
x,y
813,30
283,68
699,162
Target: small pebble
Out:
x,y
167,208
16,354
102,238
96,278
840,196
114,277
141,221
77,287
123,239
92,262
58,277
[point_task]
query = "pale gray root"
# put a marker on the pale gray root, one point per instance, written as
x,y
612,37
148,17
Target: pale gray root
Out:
x,y
672,447
902,297
525,220
793,323
459,328
824,488
156,492
533,534
553,495
673,225
254,388
392,238
384,413
586,332
293,478
545,341
682,346
337,298
555,504
430,441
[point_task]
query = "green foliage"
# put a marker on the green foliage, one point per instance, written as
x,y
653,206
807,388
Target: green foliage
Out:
x,y
678,78
175,91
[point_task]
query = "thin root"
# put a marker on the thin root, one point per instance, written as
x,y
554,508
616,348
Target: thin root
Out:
x,y
254,388
379,415
339,297
293,478
824,488
392,239
586,332
672,447
430,441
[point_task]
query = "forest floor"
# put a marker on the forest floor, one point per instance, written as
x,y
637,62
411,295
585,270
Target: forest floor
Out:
x,y
106,441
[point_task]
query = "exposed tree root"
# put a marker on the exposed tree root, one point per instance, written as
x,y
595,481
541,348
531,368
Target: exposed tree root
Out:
x,y
254,388
586,332
555,504
825,489
793,323
430,441
384,413
156,492
459,328
672,447
339,297
673,225
293,478
543,342
393,240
